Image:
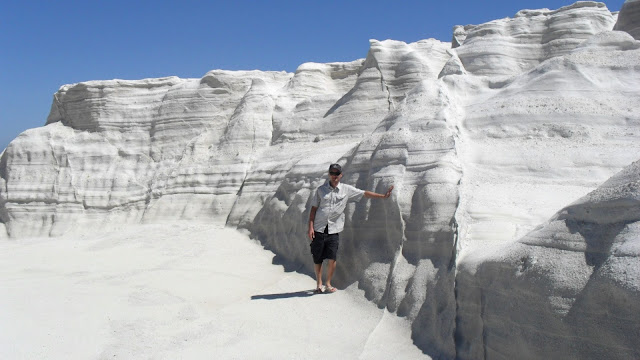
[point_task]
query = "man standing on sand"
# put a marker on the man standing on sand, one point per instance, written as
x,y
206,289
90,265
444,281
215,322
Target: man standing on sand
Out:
x,y
326,220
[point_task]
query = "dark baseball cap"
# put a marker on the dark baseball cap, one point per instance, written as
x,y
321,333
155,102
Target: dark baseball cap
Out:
x,y
335,167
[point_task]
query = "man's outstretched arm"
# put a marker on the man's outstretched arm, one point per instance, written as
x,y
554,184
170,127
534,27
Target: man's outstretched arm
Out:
x,y
372,195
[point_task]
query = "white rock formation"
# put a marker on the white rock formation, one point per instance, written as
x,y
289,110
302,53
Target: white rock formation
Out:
x,y
515,45
484,140
577,277
629,19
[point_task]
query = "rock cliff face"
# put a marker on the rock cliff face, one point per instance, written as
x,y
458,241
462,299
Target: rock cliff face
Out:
x,y
484,139
573,277
629,19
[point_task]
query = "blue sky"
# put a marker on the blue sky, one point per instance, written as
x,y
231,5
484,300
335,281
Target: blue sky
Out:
x,y
46,44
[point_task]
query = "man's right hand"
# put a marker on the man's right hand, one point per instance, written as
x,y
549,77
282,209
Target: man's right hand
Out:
x,y
312,218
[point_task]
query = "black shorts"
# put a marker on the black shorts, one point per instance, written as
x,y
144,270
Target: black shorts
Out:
x,y
324,246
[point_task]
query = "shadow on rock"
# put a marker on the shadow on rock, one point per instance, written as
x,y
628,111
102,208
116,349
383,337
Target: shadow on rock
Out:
x,y
599,239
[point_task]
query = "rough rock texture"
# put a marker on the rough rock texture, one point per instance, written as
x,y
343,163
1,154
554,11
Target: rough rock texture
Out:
x,y
484,139
511,46
629,19
569,289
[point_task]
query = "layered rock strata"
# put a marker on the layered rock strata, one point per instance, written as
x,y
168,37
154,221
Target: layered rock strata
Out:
x,y
569,289
484,139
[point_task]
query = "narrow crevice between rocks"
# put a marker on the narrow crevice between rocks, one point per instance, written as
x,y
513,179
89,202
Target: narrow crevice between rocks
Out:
x,y
394,263
385,87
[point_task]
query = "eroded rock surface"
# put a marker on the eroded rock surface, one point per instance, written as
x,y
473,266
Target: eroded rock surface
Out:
x,y
576,277
484,139
629,19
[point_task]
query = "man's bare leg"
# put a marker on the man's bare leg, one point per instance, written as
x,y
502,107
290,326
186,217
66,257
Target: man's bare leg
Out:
x,y
318,270
332,268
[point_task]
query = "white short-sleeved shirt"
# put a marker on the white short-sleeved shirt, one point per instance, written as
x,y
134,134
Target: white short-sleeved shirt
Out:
x,y
331,203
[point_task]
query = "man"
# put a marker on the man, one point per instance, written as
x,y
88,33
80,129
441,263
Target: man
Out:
x,y
326,220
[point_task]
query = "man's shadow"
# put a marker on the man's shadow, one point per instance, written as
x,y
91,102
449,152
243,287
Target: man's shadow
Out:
x,y
296,294
289,266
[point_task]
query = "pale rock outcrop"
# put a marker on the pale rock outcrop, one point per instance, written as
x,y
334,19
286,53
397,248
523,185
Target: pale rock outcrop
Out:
x,y
558,291
130,151
530,143
511,46
556,129
484,139
629,18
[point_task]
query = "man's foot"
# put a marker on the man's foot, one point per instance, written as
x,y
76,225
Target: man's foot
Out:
x,y
318,291
330,289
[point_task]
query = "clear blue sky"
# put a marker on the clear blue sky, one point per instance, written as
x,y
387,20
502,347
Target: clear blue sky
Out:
x,y
46,44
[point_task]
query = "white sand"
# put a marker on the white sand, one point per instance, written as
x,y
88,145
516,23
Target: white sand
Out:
x,y
178,291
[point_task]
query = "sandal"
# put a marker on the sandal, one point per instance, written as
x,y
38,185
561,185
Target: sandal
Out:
x,y
330,289
318,291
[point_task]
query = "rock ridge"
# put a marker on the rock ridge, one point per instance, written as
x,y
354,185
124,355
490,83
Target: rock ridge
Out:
x,y
484,138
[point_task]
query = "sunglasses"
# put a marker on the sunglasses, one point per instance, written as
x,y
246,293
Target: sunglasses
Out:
x,y
334,173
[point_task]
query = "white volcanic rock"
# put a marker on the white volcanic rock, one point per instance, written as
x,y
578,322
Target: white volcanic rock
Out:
x,y
132,151
629,18
483,140
512,45
547,136
572,278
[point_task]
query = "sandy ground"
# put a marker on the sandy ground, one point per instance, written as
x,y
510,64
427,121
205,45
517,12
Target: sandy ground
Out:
x,y
179,292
